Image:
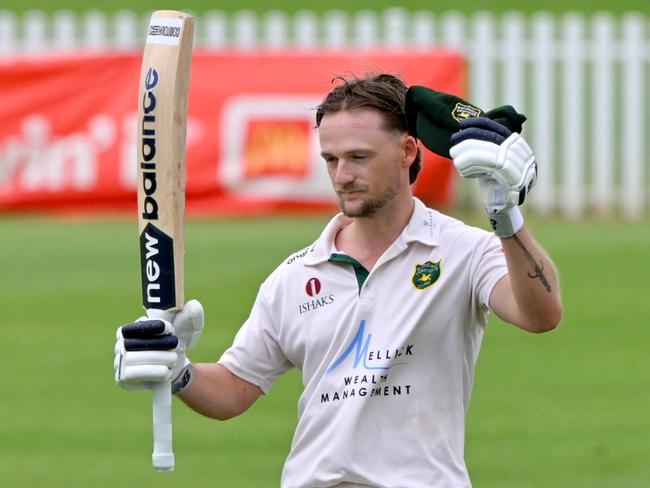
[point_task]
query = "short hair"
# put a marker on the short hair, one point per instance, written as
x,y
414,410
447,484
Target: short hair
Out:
x,y
383,92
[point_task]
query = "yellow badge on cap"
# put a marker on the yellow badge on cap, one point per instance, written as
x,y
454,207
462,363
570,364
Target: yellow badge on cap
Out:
x,y
465,111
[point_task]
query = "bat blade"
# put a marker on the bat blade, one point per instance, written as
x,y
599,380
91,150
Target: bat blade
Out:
x,y
162,123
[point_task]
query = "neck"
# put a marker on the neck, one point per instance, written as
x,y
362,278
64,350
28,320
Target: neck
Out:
x,y
366,239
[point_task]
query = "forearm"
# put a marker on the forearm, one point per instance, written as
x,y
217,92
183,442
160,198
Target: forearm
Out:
x,y
217,393
534,283
528,296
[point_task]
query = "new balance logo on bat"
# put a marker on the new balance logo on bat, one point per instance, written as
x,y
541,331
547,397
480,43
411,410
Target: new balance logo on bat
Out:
x,y
148,146
157,258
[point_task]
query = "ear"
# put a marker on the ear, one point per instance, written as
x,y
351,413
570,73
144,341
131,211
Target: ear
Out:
x,y
409,150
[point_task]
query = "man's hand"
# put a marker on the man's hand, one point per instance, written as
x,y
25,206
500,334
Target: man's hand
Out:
x,y
504,165
153,350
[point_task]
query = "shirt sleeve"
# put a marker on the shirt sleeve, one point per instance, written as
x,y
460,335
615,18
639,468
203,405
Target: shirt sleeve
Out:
x,y
490,268
256,355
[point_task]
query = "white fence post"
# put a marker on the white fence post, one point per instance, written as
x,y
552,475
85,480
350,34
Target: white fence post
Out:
x,y
543,103
245,30
482,60
453,31
94,30
215,30
366,30
64,30
275,28
335,29
571,119
126,30
423,30
603,130
34,31
7,33
395,24
514,49
634,111
305,28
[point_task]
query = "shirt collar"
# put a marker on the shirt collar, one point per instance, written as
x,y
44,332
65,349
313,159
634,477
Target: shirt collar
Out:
x,y
422,227
324,247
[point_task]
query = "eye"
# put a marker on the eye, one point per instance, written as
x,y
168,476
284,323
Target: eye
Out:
x,y
330,160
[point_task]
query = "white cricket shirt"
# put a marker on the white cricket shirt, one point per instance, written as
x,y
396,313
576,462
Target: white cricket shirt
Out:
x,y
387,369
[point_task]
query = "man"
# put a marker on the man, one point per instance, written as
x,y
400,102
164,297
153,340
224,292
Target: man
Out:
x,y
385,312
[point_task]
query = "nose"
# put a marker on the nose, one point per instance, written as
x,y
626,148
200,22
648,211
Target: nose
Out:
x,y
342,174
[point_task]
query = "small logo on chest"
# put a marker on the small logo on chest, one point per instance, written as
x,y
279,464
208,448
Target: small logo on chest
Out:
x,y
312,289
426,274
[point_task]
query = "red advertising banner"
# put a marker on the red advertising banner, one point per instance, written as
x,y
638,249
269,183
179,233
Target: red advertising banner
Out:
x,y
68,129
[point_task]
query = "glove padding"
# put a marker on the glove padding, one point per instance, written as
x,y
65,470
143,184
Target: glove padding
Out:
x,y
489,151
153,350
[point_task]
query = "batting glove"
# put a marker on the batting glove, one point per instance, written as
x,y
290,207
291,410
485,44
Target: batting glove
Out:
x,y
153,350
505,167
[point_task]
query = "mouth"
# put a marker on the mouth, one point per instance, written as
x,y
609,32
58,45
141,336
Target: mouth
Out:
x,y
348,196
350,191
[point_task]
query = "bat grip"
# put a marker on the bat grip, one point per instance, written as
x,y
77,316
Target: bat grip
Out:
x,y
163,454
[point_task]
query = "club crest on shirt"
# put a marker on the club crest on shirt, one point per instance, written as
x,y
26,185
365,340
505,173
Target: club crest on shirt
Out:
x,y
426,274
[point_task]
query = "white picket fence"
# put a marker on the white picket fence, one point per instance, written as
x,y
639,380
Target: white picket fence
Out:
x,y
581,80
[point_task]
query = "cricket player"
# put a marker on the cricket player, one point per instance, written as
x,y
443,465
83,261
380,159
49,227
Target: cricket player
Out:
x,y
384,313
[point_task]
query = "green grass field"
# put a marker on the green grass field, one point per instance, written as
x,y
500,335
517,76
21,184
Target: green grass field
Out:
x,y
564,409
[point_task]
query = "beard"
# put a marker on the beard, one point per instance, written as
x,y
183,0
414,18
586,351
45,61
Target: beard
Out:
x,y
370,206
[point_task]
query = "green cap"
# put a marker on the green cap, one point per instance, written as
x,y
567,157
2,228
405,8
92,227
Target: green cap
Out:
x,y
433,116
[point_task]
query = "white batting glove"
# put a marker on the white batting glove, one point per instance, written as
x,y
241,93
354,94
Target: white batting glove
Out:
x,y
505,167
153,350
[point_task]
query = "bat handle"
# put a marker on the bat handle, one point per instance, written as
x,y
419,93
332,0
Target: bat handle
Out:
x,y
163,454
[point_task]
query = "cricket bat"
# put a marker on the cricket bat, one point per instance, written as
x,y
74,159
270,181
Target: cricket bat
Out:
x,y
162,123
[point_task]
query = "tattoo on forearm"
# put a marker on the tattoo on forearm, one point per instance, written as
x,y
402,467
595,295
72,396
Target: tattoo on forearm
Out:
x,y
538,269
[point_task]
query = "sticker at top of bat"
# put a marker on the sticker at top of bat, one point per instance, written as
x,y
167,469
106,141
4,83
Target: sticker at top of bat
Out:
x,y
165,31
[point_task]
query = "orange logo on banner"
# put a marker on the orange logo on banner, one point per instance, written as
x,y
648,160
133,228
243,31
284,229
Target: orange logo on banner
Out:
x,y
275,147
